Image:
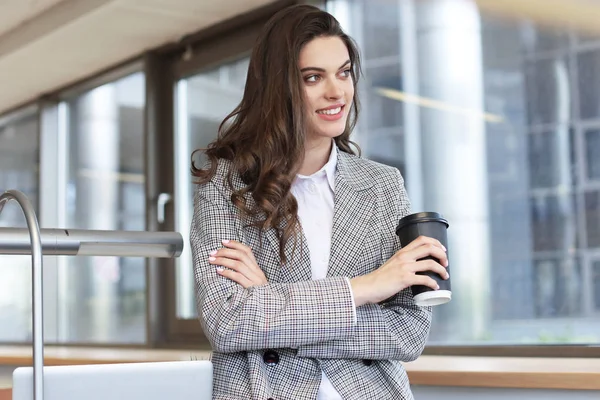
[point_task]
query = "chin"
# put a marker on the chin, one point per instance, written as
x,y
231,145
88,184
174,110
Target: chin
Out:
x,y
331,131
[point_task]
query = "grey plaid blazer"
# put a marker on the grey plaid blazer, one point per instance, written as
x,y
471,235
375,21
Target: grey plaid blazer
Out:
x,y
272,341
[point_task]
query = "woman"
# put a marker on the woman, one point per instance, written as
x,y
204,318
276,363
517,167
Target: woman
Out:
x,y
303,290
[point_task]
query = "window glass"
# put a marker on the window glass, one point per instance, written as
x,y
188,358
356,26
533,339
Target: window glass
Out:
x,y
492,123
203,101
19,162
103,298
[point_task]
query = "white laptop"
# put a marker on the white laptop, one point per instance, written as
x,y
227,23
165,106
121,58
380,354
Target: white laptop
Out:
x,y
173,380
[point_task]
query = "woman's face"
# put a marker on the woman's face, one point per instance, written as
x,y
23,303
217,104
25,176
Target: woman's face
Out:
x,y
328,87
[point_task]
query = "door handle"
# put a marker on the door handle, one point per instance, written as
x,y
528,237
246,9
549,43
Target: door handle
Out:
x,y
161,203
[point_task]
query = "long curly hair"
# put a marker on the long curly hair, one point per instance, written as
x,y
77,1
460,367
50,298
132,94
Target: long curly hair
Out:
x,y
264,136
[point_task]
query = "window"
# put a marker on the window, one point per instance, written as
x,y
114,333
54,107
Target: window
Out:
x,y
557,288
494,124
551,158
203,101
208,82
546,83
592,147
596,280
588,63
592,218
19,160
103,298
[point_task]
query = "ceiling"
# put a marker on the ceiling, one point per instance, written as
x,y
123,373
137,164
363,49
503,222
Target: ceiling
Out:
x,y
48,44
16,12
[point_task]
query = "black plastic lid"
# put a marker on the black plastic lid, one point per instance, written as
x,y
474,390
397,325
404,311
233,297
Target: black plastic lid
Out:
x,y
426,216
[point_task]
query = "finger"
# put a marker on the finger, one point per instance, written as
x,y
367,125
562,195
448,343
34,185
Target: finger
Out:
x,y
423,240
430,265
238,266
235,276
234,244
425,281
254,271
233,254
429,250
230,263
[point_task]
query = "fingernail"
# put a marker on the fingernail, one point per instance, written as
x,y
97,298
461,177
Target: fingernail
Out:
x,y
212,253
437,287
447,263
444,247
225,241
447,275
220,269
211,258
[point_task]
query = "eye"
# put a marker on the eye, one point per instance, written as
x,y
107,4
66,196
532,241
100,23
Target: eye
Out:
x,y
311,78
346,73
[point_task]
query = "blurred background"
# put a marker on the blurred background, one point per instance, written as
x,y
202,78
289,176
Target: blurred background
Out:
x,y
490,109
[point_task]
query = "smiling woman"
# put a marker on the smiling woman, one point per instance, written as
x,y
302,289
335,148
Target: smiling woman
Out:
x,y
328,88
303,290
270,122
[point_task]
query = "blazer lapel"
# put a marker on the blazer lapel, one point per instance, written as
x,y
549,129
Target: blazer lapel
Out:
x,y
353,210
355,202
297,268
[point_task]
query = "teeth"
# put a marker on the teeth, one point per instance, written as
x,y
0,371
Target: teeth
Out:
x,y
333,111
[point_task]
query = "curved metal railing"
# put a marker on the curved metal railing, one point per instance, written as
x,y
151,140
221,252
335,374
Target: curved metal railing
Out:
x,y
72,242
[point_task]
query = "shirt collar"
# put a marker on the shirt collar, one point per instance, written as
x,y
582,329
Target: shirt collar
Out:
x,y
329,168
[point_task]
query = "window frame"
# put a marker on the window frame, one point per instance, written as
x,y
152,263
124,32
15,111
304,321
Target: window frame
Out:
x,y
207,49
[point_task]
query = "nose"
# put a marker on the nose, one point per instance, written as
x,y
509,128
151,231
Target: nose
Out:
x,y
334,90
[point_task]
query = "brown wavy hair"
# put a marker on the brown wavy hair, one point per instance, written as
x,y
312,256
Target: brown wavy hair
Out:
x,y
263,137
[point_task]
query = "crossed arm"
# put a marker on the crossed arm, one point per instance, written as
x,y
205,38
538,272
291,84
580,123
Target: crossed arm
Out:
x,y
316,317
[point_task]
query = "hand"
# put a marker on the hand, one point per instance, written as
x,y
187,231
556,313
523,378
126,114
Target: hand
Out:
x,y
241,264
400,272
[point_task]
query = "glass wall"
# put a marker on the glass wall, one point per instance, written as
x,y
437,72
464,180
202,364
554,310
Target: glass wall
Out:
x,y
203,101
19,170
103,298
496,125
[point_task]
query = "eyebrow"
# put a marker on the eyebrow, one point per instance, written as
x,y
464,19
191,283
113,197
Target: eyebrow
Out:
x,y
321,69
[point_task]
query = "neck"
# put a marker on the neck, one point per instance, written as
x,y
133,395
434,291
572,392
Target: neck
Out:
x,y
316,155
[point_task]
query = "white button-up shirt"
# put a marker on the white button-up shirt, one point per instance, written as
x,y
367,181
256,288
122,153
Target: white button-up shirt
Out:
x,y
315,197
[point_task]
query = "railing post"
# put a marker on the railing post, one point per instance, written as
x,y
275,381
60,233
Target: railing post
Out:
x,y
37,290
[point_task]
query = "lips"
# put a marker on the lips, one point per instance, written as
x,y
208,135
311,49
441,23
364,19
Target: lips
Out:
x,y
331,113
331,110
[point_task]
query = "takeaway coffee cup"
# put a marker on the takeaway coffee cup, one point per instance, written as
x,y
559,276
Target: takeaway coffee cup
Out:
x,y
433,225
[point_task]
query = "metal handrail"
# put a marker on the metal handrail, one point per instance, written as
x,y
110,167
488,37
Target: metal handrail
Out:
x,y
37,281
72,242
81,242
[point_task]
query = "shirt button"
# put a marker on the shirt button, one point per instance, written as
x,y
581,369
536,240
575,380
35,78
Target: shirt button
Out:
x,y
312,188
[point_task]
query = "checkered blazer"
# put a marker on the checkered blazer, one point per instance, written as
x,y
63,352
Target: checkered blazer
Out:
x,y
272,341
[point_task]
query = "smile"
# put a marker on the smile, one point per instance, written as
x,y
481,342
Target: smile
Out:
x,y
331,111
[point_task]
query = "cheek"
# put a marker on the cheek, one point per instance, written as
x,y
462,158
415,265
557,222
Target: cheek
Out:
x,y
349,92
310,100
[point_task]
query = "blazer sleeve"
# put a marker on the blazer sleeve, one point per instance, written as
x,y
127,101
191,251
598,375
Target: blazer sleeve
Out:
x,y
393,330
279,315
